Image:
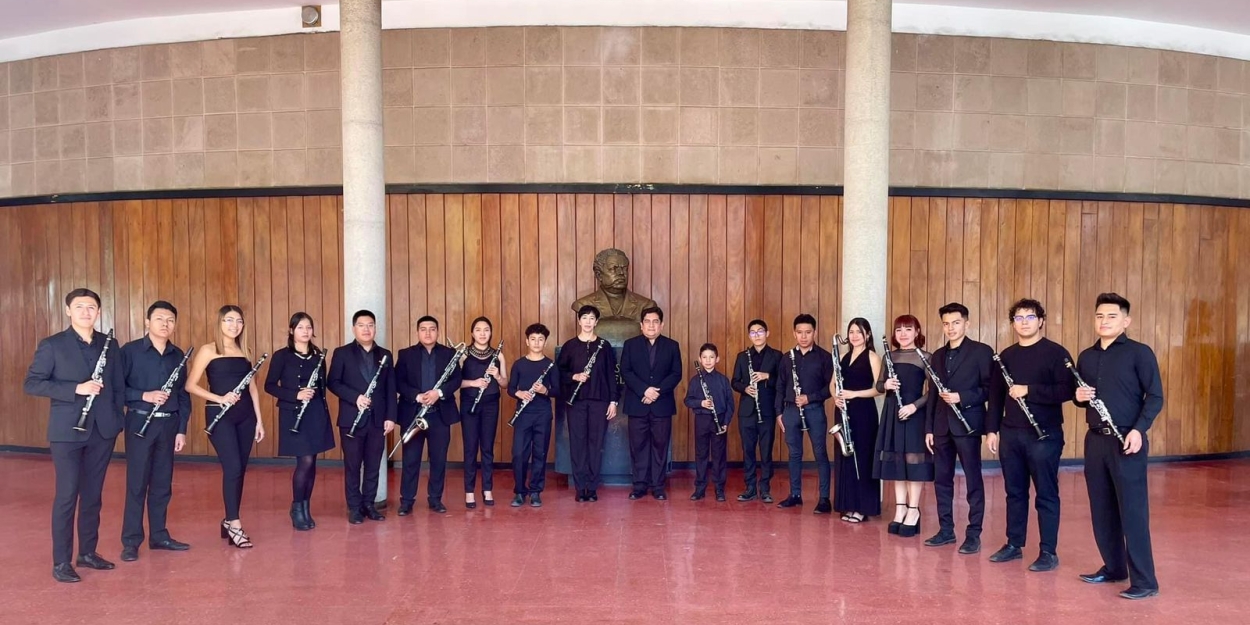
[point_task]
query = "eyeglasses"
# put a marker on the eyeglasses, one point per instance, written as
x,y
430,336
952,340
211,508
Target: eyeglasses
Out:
x,y
1024,318
757,332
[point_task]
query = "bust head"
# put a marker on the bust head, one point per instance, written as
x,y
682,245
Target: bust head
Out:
x,y
612,271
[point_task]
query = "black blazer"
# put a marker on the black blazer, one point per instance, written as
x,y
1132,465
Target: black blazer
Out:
x,y
349,380
969,375
56,372
408,382
284,380
770,363
638,374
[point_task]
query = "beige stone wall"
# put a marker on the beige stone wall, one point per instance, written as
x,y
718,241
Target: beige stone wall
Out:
x,y
655,105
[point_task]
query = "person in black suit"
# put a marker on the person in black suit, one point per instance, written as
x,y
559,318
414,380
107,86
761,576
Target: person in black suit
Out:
x,y
964,368
147,364
416,376
352,368
63,371
755,376
802,404
651,368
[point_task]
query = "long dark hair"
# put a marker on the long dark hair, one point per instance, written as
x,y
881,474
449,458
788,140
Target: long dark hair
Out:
x,y
866,329
290,335
490,325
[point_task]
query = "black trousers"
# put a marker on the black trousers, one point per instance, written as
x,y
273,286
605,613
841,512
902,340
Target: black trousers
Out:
x,y
1025,459
648,449
233,442
365,450
1119,506
439,439
761,436
529,451
817,431
149,477
479,431
588,422
967,449
709,453
80,469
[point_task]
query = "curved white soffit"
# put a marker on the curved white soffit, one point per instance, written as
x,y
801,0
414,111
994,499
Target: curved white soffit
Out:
x,y
797,14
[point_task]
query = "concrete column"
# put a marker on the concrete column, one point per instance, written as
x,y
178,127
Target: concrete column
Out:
x,y
364,185
865,213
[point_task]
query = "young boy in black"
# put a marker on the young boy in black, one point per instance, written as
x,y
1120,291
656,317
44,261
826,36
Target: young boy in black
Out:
x,y
534,381
710,396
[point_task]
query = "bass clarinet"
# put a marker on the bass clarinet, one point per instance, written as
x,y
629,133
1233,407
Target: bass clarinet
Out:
x,y
419,422
166,388
238,390
941,388
373,384
526,402
97,376
844,440
1041,436
889,370
482,391
312,384
1103,414
759,416
707,394
590,364
794,381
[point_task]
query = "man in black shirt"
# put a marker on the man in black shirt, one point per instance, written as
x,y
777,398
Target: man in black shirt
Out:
x,y
1124,379
1041,380
651,369
813,368
416,378
755,376
595,402
147,364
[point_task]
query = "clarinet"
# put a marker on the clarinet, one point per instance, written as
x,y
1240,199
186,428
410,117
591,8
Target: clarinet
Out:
x,y
794,381
707,394
481,392
1041,436
941,388
373,384
312,384
844,441
590,364
759,416
167,388
419,422
889,370
238,390
97,375
526,402
1103,414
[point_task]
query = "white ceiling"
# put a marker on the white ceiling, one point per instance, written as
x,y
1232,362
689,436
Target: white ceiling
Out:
x,y
27,17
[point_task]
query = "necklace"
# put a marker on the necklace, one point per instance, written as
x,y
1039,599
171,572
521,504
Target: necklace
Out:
x,y
481,354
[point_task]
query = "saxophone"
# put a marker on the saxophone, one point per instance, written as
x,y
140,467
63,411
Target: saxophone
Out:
x,y
312,383
97,375
844,439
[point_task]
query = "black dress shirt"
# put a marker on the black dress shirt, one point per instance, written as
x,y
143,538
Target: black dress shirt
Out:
x,y
1126,377
601,386
815,374
146,369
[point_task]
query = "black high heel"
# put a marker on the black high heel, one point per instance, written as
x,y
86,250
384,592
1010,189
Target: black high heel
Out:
x,y
225,528
907,531
895,525
469,504
239,539
488,501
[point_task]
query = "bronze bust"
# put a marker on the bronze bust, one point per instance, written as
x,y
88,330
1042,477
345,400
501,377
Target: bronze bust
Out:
x,y
620,309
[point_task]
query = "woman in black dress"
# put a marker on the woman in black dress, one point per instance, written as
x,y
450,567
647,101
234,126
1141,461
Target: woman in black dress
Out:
x,y
857,494
480,424
227,362
291,380
901,455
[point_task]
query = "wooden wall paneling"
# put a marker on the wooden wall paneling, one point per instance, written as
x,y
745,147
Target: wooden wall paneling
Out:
x,y
472,261
418,273
454,326
398,332
548,285
587,244
492,288
677,315
640,256
605,222
565,237
717,297
917,302
737,280
623,223
509,230
436,263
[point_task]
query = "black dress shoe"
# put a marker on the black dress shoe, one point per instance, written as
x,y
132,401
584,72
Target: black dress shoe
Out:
x,y
939,539
790,502
470,504
593,495
697,495
130,554
971,545
1006,554
747,496
659,494
489,502
536,501
1135,593
371,513
355,517
1101,577
437,506
405,508
94,561
518,501
767,497
636,495
65,573
1044,562
823,506
169,544
720,494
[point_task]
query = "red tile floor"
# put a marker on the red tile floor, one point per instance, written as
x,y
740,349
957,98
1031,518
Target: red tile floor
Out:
x,y
614,561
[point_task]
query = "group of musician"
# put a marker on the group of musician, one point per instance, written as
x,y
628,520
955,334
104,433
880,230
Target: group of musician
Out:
x,y
937,409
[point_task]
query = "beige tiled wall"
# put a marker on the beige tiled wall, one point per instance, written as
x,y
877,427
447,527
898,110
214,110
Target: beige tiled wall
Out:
x,y
657,105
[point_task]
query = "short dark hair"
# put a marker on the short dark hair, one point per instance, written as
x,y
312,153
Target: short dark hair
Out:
x,y
537,328
77,293
952,308
708,347
908,321
757,322
363,313
1027,304
805,318
588,310
649,310
161,304
1113,298
425,318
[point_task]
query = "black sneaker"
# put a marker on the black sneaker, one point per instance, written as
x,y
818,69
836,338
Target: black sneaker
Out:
x,y
1044,562
518,501
1007,554
791,501
536,501
823,506
747,496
